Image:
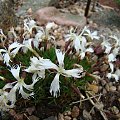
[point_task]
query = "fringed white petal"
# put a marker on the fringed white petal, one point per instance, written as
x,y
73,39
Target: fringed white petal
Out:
x,y
47,64
60,56
55,87
111,57
73,73
111,67
76,44
15,70
23,93
12,94
6,58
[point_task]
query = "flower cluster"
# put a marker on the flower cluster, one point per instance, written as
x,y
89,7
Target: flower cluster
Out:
x,y
32,39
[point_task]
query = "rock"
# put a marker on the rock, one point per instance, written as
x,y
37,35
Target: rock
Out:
x,y
74,118
29,11
104,91
67,113
99,88
95,58
36,4
110,84
32,117
75,112
51,14
115,110
67,118
118,88
103,82
60,116
112,88
104,67
107,87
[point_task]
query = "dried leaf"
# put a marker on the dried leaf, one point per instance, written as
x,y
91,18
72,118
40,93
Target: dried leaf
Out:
x,y
93,88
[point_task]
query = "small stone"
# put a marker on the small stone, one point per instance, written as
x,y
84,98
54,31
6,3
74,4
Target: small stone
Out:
x,y
103,82
32,117
104,91
67,118
119,100
60,116
99,88
18,28
104,67
115,110
118,88
95,58
65,113
107,87
74,118
90,22
29,11
69,112
75,112
110,84
112,88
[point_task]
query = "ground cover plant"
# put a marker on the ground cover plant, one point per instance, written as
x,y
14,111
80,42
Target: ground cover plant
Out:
x,y
35,65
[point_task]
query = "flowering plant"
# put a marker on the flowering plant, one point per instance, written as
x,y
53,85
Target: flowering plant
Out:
x,y
36,60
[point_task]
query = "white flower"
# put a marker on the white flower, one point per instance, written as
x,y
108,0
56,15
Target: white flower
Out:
x,y
107,46
93,35
36,68
19,85
84,50
116,51
38,38
29,25
79,41
111,57
14,48
115,75
117,44
2,36
28,45
6,56
50,25
47,64
11,52
4,106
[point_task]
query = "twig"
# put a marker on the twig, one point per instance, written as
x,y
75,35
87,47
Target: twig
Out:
x,y
26,116
85,99
98,108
